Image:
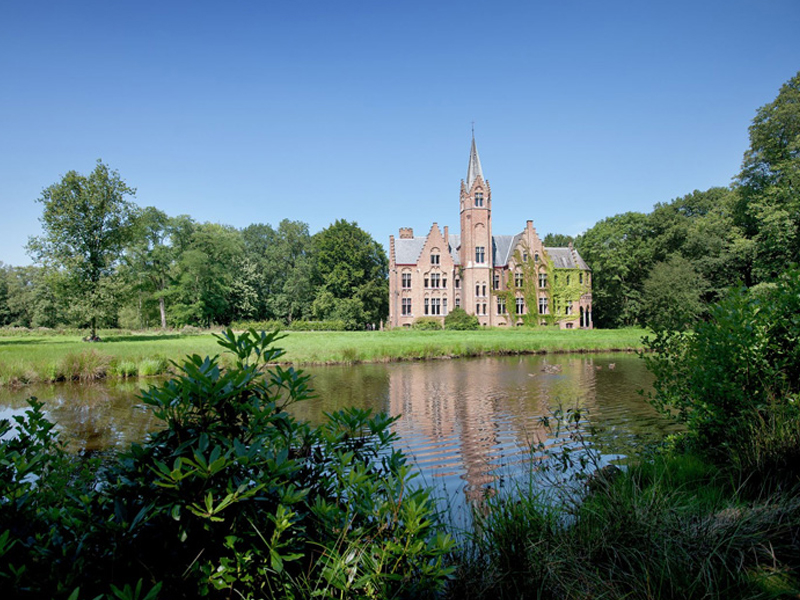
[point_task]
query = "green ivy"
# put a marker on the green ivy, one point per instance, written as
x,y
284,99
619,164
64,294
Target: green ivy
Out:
x,y
563,285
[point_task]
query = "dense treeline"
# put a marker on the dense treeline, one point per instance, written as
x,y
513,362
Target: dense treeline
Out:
x,y
665,268
174,271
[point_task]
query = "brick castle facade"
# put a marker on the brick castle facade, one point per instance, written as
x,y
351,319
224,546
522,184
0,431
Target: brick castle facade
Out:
x,y
504,280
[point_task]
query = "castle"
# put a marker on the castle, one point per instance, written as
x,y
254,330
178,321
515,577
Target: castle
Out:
x,y
504,280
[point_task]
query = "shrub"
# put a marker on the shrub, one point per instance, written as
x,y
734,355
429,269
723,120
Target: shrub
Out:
x,y
318,326
427,323
232,497
740,367
458,319
257,325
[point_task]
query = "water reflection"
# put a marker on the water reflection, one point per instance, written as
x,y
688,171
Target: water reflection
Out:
x,y
467,423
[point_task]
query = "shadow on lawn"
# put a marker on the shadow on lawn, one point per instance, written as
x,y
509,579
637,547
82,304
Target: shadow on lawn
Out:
x,y
144,338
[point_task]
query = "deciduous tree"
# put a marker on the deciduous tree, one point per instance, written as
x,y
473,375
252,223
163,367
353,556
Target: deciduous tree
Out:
x,y
769,184
87,222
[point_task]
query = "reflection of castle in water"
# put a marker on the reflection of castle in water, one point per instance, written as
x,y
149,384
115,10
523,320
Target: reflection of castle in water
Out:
x,y
481,416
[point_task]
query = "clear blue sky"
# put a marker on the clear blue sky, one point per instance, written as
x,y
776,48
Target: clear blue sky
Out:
x,y
252,112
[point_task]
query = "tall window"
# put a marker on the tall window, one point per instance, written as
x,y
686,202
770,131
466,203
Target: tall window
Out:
x,y
444,306
501,306
458,283
406,306
478,198
518,279
435,279
406,278
580,277
520,306
480,254
484,290
542,280
542,306
436,306
535,257
568,310
426,306
458,301
444,282
434,259
497,281
478,289
426,282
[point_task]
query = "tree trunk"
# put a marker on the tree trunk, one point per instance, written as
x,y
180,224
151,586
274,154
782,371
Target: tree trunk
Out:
x,y
162,307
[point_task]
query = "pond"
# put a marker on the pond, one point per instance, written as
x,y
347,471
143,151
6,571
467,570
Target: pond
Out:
x,y
468,424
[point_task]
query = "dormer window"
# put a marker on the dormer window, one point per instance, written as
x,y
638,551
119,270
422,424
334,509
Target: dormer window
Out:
x,y
478,198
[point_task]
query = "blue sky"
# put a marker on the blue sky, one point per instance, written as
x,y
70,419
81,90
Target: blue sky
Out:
x,y
252,112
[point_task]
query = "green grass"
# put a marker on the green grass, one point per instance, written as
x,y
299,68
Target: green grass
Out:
x,y
671,527
30,357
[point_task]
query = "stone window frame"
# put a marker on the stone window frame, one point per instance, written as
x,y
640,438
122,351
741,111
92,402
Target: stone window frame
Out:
x,y
543,305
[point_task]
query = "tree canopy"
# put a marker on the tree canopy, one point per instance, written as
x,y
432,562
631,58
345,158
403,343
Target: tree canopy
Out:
x,y
87,223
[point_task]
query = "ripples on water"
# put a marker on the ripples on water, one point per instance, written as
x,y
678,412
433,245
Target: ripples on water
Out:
x,y
468,424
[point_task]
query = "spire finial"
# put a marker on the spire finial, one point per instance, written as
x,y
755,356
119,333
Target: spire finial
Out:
x,y
474,169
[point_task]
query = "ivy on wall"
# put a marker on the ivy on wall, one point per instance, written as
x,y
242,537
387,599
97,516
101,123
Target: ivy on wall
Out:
x,y
562,286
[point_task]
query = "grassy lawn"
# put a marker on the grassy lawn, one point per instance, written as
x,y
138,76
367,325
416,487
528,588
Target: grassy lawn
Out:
x,y
28,358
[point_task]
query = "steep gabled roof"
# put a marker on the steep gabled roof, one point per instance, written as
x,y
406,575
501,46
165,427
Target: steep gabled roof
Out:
x,y
408,250
503,248
455,244
566,258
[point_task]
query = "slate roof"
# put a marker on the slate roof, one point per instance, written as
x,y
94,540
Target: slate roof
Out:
x,y
408,250
503,248
566,258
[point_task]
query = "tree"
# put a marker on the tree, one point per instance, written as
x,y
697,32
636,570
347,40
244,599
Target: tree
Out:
x,y
352,268
150,257
206,273
619,251
769,184
700,227
5,313
557,240
672,295
283,263
87,223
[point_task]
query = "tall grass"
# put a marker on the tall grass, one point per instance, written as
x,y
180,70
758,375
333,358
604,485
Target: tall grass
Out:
x,y
671,527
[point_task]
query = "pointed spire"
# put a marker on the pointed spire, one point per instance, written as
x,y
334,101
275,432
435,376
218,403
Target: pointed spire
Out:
x,y
474,170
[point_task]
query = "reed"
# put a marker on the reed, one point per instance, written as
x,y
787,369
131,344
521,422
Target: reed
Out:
x,y
673,526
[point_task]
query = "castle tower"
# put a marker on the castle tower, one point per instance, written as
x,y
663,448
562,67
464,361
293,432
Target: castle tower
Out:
x,y
476,240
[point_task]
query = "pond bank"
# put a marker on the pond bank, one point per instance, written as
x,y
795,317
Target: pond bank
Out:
x,y
43,358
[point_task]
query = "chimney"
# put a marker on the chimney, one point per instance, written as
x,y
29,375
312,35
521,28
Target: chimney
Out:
x,y
406,233
446,235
